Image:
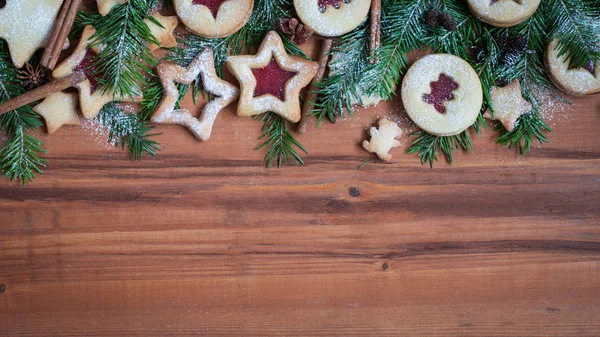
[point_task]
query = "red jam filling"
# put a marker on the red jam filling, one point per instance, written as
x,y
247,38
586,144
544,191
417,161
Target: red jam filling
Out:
x,y
89,68
213,5
271,80
441,91
334,3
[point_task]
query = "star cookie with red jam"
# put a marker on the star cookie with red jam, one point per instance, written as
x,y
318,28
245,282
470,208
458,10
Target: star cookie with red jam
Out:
x,y
271,80
91,100
214,18
171,73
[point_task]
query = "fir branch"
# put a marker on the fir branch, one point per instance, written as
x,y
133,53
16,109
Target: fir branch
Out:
x,y
279,141
575,24
122,65
529,127
427,146
20,157
128,130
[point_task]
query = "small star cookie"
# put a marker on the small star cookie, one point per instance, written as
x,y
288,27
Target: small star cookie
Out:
x,y
576,82
271,80
163,35
26,26
90,100
508,105
58,109
105,6
383,139
332,17
214,18
171,73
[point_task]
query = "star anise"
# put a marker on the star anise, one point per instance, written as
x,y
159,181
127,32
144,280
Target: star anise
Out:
x,y
33,77
294,30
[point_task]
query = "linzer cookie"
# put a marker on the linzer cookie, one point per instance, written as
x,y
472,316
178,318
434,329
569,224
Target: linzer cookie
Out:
x,y
332,17
576,82
442,94
214,18
26,26
503,13
171,73
91,100
271,80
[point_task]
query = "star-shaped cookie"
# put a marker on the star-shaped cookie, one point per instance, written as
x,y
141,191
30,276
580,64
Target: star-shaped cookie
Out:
x,y
171,73
58,109
90,100
105,6
272,65
164,35
26,25
508,105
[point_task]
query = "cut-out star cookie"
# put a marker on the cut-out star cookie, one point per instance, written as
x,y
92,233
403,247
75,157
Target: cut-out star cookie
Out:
x,y
271,80
105,6
164,35
383,139
90,99
171,73
26,26
508,105
58,109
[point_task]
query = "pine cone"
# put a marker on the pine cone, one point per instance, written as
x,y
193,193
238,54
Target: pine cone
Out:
x,y
294,30
518,43
431,18
447,21
510,58
501,40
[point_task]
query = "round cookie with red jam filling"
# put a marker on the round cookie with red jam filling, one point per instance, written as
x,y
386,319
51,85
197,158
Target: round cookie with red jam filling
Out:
x,y
572,81
503,13
332,17
442,94
214,18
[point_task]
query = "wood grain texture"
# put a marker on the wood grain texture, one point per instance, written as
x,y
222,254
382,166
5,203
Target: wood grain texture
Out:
x,y
204,241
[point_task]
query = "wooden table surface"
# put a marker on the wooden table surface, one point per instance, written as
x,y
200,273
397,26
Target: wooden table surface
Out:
x,y
204,241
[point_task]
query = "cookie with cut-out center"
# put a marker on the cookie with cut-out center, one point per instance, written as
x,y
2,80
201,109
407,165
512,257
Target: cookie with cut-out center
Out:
x,y
214,18
576,82
271,80
503,13
332,17
442,94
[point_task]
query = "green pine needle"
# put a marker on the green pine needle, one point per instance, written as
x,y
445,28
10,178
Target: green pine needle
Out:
x,y
279,141
427,146
128,129
20,157
529,127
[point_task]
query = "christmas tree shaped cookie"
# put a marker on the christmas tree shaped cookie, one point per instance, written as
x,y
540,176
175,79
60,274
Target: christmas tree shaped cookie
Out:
x,y
91,100
26,26
214,18
332,17
271,80
171,73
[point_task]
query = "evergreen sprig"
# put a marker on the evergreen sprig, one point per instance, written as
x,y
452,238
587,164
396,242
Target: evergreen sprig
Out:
x,y
128,129
20,155
121,66
427,146
279,141
530,127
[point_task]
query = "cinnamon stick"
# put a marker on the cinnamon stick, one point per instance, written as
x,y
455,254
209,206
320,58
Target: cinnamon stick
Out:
x,y
42,92
51,44
375,29
64,32
309,102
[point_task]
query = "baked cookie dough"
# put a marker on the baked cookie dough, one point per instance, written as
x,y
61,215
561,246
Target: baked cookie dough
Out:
x,y
576,82
503,13
332,17
442,94
214,18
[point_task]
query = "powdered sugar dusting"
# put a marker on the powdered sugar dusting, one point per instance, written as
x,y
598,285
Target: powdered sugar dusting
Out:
x,y
98,132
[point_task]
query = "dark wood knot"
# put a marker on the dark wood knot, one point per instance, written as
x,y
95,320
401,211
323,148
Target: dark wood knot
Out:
x,y
354,192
